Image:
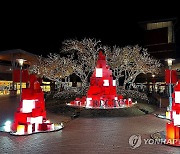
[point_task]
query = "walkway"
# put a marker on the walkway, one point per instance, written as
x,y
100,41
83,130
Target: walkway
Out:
x,y
85,135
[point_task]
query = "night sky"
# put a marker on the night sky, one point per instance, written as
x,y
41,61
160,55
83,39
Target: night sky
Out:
x,y
45,37
43,32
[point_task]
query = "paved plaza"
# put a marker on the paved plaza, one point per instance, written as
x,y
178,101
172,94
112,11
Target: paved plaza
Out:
x,y
84,135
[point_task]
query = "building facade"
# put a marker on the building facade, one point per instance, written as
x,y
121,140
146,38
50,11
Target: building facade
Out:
x,y
160,41
9,63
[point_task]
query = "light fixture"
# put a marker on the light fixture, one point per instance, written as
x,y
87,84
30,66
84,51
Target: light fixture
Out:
x,y
21,61
7,126
153,75
7,123
169,61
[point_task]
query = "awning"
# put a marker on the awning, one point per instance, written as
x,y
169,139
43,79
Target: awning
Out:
x,y
10,55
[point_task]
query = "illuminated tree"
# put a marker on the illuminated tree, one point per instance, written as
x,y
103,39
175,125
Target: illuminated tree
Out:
x,y
53,68
126,63
130,61
85,57
115,61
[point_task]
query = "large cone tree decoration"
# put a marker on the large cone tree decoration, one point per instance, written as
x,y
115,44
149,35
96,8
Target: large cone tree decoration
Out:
x,y
102,91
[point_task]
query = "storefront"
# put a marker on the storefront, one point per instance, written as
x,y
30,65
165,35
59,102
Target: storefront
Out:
x,y
46,87
6,86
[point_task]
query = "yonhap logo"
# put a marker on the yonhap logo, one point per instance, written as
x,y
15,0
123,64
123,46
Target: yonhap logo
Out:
x,y
135,141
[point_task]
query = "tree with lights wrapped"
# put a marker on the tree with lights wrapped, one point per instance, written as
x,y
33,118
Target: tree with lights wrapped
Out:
x,y
54,68
86,53
130,61
126,63
114,61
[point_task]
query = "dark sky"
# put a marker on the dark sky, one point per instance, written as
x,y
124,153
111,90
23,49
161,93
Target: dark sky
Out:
x,y
43,32
47,36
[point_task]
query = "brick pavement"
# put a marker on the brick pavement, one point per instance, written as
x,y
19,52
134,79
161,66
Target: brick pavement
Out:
x,y
89,135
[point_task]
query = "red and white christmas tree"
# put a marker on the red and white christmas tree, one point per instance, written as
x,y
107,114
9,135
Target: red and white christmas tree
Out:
x,y
102,91
30,116
173,126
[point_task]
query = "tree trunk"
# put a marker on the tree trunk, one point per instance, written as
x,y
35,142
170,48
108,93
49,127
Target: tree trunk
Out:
x,y
117,82
84,85
124,85
132,83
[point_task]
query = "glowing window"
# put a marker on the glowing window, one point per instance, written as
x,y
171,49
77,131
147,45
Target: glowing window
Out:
x,y
99,72
177,97
106,83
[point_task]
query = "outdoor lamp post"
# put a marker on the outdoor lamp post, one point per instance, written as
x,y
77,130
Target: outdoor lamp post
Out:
x,y
153,83
169,61
21,62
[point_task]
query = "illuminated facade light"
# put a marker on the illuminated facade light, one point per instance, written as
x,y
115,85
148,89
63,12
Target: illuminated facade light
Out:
x,y
21,61
7,123
7,126
169,61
